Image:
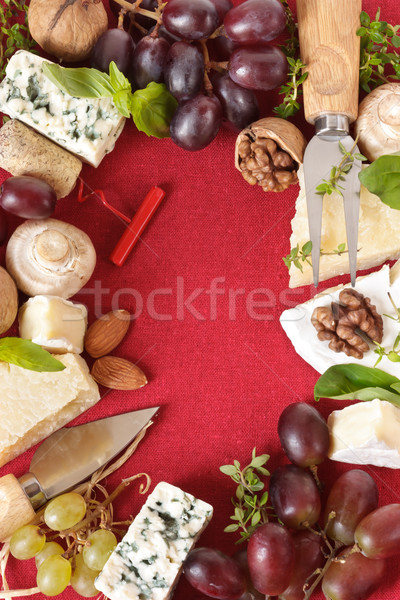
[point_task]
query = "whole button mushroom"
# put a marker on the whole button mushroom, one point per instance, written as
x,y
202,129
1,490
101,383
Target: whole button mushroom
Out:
x,y
50,257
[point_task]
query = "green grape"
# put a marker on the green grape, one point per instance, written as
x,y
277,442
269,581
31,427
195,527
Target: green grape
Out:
x,y
102,543
82,580
65,511
49,549
53,575
26,542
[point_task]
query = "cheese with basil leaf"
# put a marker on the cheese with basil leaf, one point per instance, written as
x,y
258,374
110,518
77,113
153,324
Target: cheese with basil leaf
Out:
x,y
147,562
86,127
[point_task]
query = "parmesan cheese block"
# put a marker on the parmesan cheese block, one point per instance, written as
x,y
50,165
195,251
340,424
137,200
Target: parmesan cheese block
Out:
x,y
296,322
366,433
87,127
378,235
33,405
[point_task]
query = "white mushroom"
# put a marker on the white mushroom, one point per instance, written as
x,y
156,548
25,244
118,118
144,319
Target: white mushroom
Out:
x,y
8,301
50,257
378,123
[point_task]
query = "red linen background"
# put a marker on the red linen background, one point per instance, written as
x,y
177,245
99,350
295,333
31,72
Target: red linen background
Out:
x,y
221,373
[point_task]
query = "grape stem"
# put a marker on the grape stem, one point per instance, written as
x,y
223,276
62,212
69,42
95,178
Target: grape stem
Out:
x,y
135,8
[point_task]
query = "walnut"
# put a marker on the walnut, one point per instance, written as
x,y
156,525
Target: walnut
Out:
x,y
269,152
339,323
67,29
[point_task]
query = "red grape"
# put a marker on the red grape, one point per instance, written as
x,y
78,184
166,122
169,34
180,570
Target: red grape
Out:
x,y
222,7
354,579
295,496
194,20
258,67
353,495
220,48
183,70
255,21
308,558
3,227
378,534
304,434
196,122
114,45
239,106
213,573
27,197
271,554
148,61
250,593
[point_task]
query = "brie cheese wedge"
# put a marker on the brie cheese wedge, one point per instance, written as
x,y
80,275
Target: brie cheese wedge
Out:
x,y
296,322
366,433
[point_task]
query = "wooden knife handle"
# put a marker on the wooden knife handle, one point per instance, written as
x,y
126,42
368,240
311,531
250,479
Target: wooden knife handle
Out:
x,y
330,48
15,507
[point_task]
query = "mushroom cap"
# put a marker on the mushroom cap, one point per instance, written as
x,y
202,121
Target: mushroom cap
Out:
x,y
378,122
50,257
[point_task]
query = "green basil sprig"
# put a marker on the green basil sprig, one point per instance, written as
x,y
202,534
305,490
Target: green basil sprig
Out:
x,y
382,178
28,355
357,382
152,108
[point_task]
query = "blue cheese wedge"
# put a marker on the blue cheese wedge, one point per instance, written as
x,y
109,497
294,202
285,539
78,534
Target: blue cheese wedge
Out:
x,y
86,127
146,563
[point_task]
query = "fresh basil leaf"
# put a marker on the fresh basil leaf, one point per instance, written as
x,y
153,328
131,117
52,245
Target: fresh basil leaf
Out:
x,y
357,382
28,355
382,178
122,101
118,80
79,82
152,109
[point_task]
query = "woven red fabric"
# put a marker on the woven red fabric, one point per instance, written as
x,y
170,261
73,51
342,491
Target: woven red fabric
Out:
x,y
219,364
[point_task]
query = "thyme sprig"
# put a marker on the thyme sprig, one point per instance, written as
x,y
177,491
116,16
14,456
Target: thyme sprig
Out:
x,y
297,256
14,31
379,43
338,172
250,509
394,353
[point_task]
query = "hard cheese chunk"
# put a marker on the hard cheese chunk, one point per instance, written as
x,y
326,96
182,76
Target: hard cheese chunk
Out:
x,y
366,433
87,127
33,405
146,563
54,323
378,235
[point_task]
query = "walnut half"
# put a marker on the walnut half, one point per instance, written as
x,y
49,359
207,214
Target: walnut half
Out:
x,y
269,152
340,323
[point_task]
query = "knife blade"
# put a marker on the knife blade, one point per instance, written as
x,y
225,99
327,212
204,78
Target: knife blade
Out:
x,y
330,49
66,458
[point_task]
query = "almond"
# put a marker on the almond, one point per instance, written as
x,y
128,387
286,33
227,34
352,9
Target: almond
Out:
x,y
106,333
118,373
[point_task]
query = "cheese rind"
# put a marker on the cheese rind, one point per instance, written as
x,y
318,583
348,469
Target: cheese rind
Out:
x,y
56,324
366,433
33,405
87,127
146,563
378,235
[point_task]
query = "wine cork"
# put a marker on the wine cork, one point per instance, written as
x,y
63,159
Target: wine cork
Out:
x,y
26,152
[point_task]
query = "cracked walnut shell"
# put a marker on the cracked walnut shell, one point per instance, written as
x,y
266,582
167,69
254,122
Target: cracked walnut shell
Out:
x,y
342,323
269,152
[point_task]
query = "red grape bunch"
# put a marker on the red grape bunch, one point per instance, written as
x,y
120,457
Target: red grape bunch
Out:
x,y
298,546
211,56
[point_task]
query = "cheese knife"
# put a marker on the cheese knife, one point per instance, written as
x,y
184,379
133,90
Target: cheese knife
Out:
x,y
64,459
330,49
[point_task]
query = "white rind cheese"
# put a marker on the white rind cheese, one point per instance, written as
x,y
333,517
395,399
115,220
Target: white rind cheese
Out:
x,y
378,235
146,563
366,433
296,322
56,324
87,127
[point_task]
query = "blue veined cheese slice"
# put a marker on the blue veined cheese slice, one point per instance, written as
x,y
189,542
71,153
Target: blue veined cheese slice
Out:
x,y
146,563
87,127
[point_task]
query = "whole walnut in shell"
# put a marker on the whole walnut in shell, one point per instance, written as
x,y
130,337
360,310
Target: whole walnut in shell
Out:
x,y
67,29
